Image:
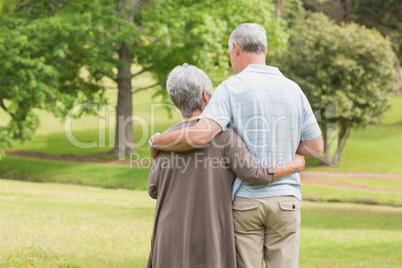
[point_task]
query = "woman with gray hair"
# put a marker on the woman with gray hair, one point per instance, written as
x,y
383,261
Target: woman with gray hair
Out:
x,y
193,217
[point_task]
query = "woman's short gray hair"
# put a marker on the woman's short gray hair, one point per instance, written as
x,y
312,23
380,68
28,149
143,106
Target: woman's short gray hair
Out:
x,y
251,38
185,85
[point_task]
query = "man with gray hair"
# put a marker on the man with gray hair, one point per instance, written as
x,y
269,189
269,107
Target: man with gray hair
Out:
x,y
193,216
275,119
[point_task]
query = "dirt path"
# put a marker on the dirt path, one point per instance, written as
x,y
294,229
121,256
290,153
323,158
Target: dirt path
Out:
x,y
307,177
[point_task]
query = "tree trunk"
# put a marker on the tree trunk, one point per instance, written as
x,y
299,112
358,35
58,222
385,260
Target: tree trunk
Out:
x,y
280,5
343,14
346,9
124,139
278,11
333,155
397,67
343,138
325,158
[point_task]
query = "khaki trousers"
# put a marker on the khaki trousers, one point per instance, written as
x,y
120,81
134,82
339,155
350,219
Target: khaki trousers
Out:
x,y
267,229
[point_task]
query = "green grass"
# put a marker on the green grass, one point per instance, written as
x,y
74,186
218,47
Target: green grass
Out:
x,y
334,194
116,176
344,235
53,225
368,191
92,174
50,225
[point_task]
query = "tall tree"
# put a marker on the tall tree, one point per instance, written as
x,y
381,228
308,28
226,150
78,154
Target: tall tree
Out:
x,y
37,68
124,137
160,34
106,37
348,66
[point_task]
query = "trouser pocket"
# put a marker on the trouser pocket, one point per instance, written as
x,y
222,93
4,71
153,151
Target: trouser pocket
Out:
x,y
287,218
245,214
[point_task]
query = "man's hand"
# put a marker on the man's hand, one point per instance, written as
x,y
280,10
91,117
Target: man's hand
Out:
x,y
298,163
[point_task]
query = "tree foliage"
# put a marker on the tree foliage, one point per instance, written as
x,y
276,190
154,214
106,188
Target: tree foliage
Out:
x,y
382,15
348,64
292,12
197,32
45,45
37,68
385,16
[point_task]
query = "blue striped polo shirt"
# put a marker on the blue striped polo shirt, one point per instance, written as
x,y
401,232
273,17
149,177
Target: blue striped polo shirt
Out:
x,y
272,115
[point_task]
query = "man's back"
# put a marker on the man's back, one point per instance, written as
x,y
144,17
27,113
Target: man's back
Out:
x,y
272,115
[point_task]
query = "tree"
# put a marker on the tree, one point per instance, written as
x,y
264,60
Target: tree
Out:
x,y
346,64
332,8
386,17
291,11
174,32
383,15
106,37
36,69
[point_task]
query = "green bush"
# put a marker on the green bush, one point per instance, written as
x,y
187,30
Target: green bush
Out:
x,y
348,65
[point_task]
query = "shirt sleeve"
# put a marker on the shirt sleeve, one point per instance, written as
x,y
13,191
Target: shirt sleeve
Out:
x,y
310,128
218,108
243,163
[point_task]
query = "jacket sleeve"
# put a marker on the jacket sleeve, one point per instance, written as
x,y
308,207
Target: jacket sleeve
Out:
x,y
243,163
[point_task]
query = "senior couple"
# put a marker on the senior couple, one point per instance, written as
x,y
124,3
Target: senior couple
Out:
x,y
226,178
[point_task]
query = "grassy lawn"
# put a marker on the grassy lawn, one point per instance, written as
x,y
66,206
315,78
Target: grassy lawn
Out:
x,y
344,235
53,225
92,174
116,176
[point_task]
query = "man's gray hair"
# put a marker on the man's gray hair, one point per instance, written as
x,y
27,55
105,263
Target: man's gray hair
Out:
x,y
251,38
185,85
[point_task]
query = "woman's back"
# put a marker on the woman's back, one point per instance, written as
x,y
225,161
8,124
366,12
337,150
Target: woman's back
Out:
x,y
193,216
